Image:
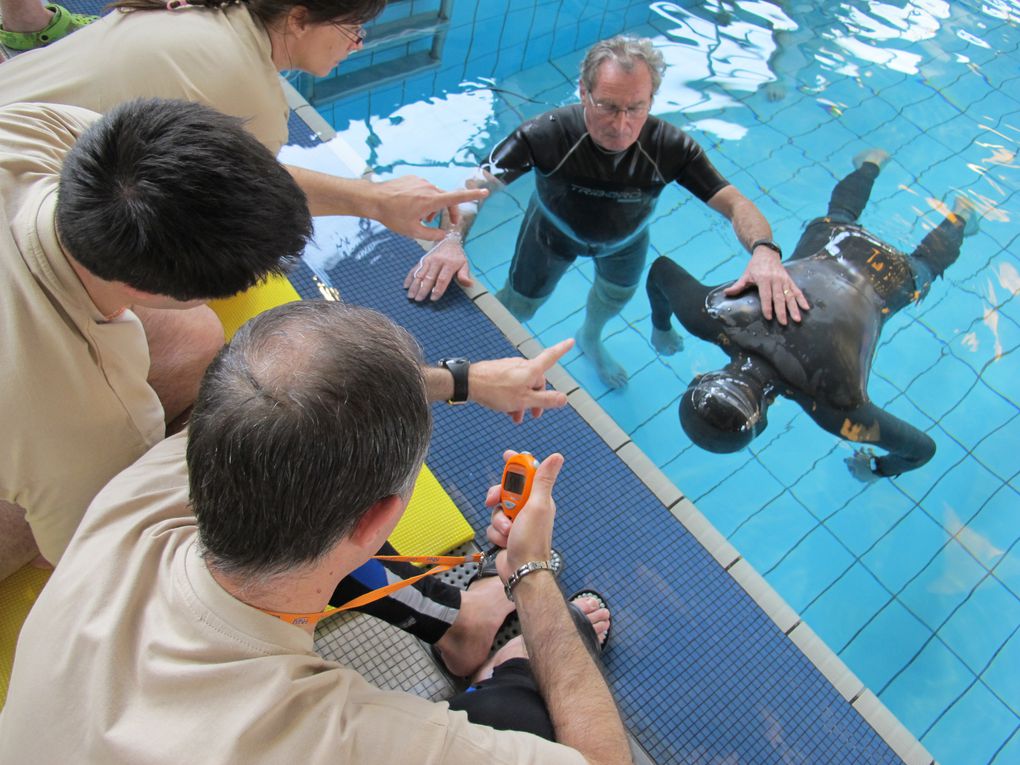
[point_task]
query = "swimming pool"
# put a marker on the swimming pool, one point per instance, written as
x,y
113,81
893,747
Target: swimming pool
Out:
x,y
914,581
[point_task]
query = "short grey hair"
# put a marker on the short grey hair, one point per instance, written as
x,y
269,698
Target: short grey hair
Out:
x,y
625,51
314,412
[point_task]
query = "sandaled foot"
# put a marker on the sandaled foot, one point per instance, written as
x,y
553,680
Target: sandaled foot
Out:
x,y
593,621
965,210
61,24
483,607
609,371
874,156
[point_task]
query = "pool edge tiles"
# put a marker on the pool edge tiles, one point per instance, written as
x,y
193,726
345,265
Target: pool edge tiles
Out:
x,y
865,703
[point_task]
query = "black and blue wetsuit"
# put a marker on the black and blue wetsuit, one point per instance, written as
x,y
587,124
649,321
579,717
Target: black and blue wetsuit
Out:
x,y
591,202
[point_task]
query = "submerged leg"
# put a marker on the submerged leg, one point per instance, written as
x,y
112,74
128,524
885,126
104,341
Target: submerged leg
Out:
x,y
847,202
851,195
941,247
605,300
521,306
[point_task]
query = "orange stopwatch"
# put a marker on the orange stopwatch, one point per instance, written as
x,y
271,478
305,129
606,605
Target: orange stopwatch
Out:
x,y
515,488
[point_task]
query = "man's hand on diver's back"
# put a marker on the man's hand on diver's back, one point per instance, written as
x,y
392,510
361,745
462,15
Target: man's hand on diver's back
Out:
x,y
780,295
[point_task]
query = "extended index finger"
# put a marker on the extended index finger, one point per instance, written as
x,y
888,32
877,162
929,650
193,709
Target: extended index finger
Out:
x,y
452,198
553,353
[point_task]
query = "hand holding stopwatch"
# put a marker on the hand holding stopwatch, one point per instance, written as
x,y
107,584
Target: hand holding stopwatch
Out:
x,y
515,488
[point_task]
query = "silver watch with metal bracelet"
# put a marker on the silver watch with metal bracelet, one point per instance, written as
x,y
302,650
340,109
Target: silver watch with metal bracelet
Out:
x,y
523,571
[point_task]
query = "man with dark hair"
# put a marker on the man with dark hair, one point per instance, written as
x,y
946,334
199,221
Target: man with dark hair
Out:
x,y
855,282
107,224
600,167
197,566
159,205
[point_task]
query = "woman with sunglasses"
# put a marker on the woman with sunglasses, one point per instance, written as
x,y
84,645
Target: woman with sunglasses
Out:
x,y
227,55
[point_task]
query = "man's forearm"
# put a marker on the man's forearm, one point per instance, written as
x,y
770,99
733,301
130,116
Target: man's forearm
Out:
x,y
333,195
748,223
570,681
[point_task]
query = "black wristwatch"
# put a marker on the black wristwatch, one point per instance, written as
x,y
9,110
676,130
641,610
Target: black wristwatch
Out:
x,y
767,243
458,367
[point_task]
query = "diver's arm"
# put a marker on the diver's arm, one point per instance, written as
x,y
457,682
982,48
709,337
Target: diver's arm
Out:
x,y
778,291
908,447
665,340
658,280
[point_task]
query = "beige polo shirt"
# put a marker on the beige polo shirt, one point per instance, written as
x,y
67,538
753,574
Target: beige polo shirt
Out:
x,y
136,655
74,403
218,58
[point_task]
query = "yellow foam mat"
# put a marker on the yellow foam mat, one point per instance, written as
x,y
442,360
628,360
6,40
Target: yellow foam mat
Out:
x,y
17,594
432,524
235,311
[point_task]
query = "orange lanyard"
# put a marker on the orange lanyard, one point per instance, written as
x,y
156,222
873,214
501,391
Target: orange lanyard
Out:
x,y
440,564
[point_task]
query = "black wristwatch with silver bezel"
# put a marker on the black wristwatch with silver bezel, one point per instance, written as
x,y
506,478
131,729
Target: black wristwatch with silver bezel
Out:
x,y
767,243
458,367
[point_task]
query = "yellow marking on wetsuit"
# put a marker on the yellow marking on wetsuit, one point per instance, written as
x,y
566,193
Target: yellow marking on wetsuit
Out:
x,y
885,310
878,265
855,431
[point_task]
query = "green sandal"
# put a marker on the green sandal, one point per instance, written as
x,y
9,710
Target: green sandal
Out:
x,y
62,24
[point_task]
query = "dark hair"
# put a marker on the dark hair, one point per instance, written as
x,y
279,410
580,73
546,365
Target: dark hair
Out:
x,y
723,411
314,412
174,198
270,11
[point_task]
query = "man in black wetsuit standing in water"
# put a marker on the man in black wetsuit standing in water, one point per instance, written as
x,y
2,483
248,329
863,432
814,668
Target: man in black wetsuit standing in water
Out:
x,y
855,282
600,167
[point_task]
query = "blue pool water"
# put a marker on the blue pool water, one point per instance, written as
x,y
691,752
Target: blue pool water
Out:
x,y
913,581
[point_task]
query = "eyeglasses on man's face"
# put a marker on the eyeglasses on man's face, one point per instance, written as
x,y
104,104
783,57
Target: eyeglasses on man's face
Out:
x,y
356,34
605,109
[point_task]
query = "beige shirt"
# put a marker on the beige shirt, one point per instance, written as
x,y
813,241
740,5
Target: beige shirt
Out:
x,y
74,403
218,58
137,655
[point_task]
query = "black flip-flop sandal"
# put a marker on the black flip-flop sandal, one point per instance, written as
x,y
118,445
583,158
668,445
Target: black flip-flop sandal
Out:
x,y
584,626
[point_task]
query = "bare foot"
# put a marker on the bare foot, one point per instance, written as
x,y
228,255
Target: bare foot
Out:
x,y
483,607
609,370
874,156
515,649
964,209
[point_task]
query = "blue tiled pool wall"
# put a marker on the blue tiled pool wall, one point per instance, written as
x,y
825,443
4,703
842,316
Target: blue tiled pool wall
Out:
x,y
913,581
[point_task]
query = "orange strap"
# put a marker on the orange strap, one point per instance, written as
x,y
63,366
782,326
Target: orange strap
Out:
x,y
440,564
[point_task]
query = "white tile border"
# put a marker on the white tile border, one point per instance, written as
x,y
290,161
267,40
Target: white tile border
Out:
x,y
867,704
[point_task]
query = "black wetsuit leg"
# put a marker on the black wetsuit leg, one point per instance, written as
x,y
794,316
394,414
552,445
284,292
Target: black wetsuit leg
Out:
x,y
847,202
936,252
426,608
509,700
624,266
543,254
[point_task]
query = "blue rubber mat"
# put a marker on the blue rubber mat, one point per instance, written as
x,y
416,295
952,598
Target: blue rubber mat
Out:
x,y
700,672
